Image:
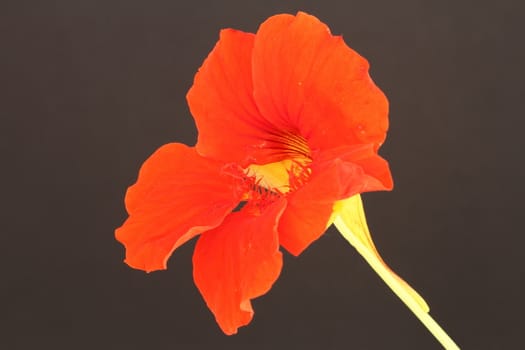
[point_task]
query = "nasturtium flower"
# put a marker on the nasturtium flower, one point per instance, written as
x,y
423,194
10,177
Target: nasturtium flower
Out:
x,y
289,125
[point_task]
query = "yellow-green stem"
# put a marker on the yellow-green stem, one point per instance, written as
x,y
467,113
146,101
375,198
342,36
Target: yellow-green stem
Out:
x,y
395,284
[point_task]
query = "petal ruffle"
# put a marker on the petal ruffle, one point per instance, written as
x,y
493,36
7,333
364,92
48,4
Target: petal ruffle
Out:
x,y
336,174
221,101
178,195
236,262
375,174
308,79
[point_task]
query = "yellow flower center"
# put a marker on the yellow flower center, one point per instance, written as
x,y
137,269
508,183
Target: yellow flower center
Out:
x,y
288,174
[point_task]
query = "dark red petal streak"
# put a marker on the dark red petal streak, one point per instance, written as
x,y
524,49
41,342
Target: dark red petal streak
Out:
x,y
336,174
236,262
221,101
310,82
178,195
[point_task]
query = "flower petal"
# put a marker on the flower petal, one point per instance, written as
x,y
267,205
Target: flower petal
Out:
x,y
221,101
308,79
178,195
336,174
236,262
376,174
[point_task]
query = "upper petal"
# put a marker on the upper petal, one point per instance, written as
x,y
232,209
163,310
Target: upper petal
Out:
x,y
336,174
221,101
236,262
309,81
178,195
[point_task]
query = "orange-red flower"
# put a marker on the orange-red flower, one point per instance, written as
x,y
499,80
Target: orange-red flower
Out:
x,y
289,124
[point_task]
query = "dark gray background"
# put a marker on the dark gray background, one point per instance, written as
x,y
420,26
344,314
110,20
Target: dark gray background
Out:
x,y
89,89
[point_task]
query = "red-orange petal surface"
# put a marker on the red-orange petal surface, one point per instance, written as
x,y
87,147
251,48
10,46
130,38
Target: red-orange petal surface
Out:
x,y
236,262
178,195
292,77
221,101
308,79
336,174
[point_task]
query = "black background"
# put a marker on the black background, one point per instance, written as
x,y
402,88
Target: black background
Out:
x,y
89,89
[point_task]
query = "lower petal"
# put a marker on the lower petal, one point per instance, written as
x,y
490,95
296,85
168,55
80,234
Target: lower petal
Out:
x,y
336,174
373,172
236,262
178,195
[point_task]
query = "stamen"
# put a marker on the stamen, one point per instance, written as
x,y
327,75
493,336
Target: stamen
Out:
x,y
254,197
298,174
261,185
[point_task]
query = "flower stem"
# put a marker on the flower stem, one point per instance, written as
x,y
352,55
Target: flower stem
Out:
x,y
352,225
